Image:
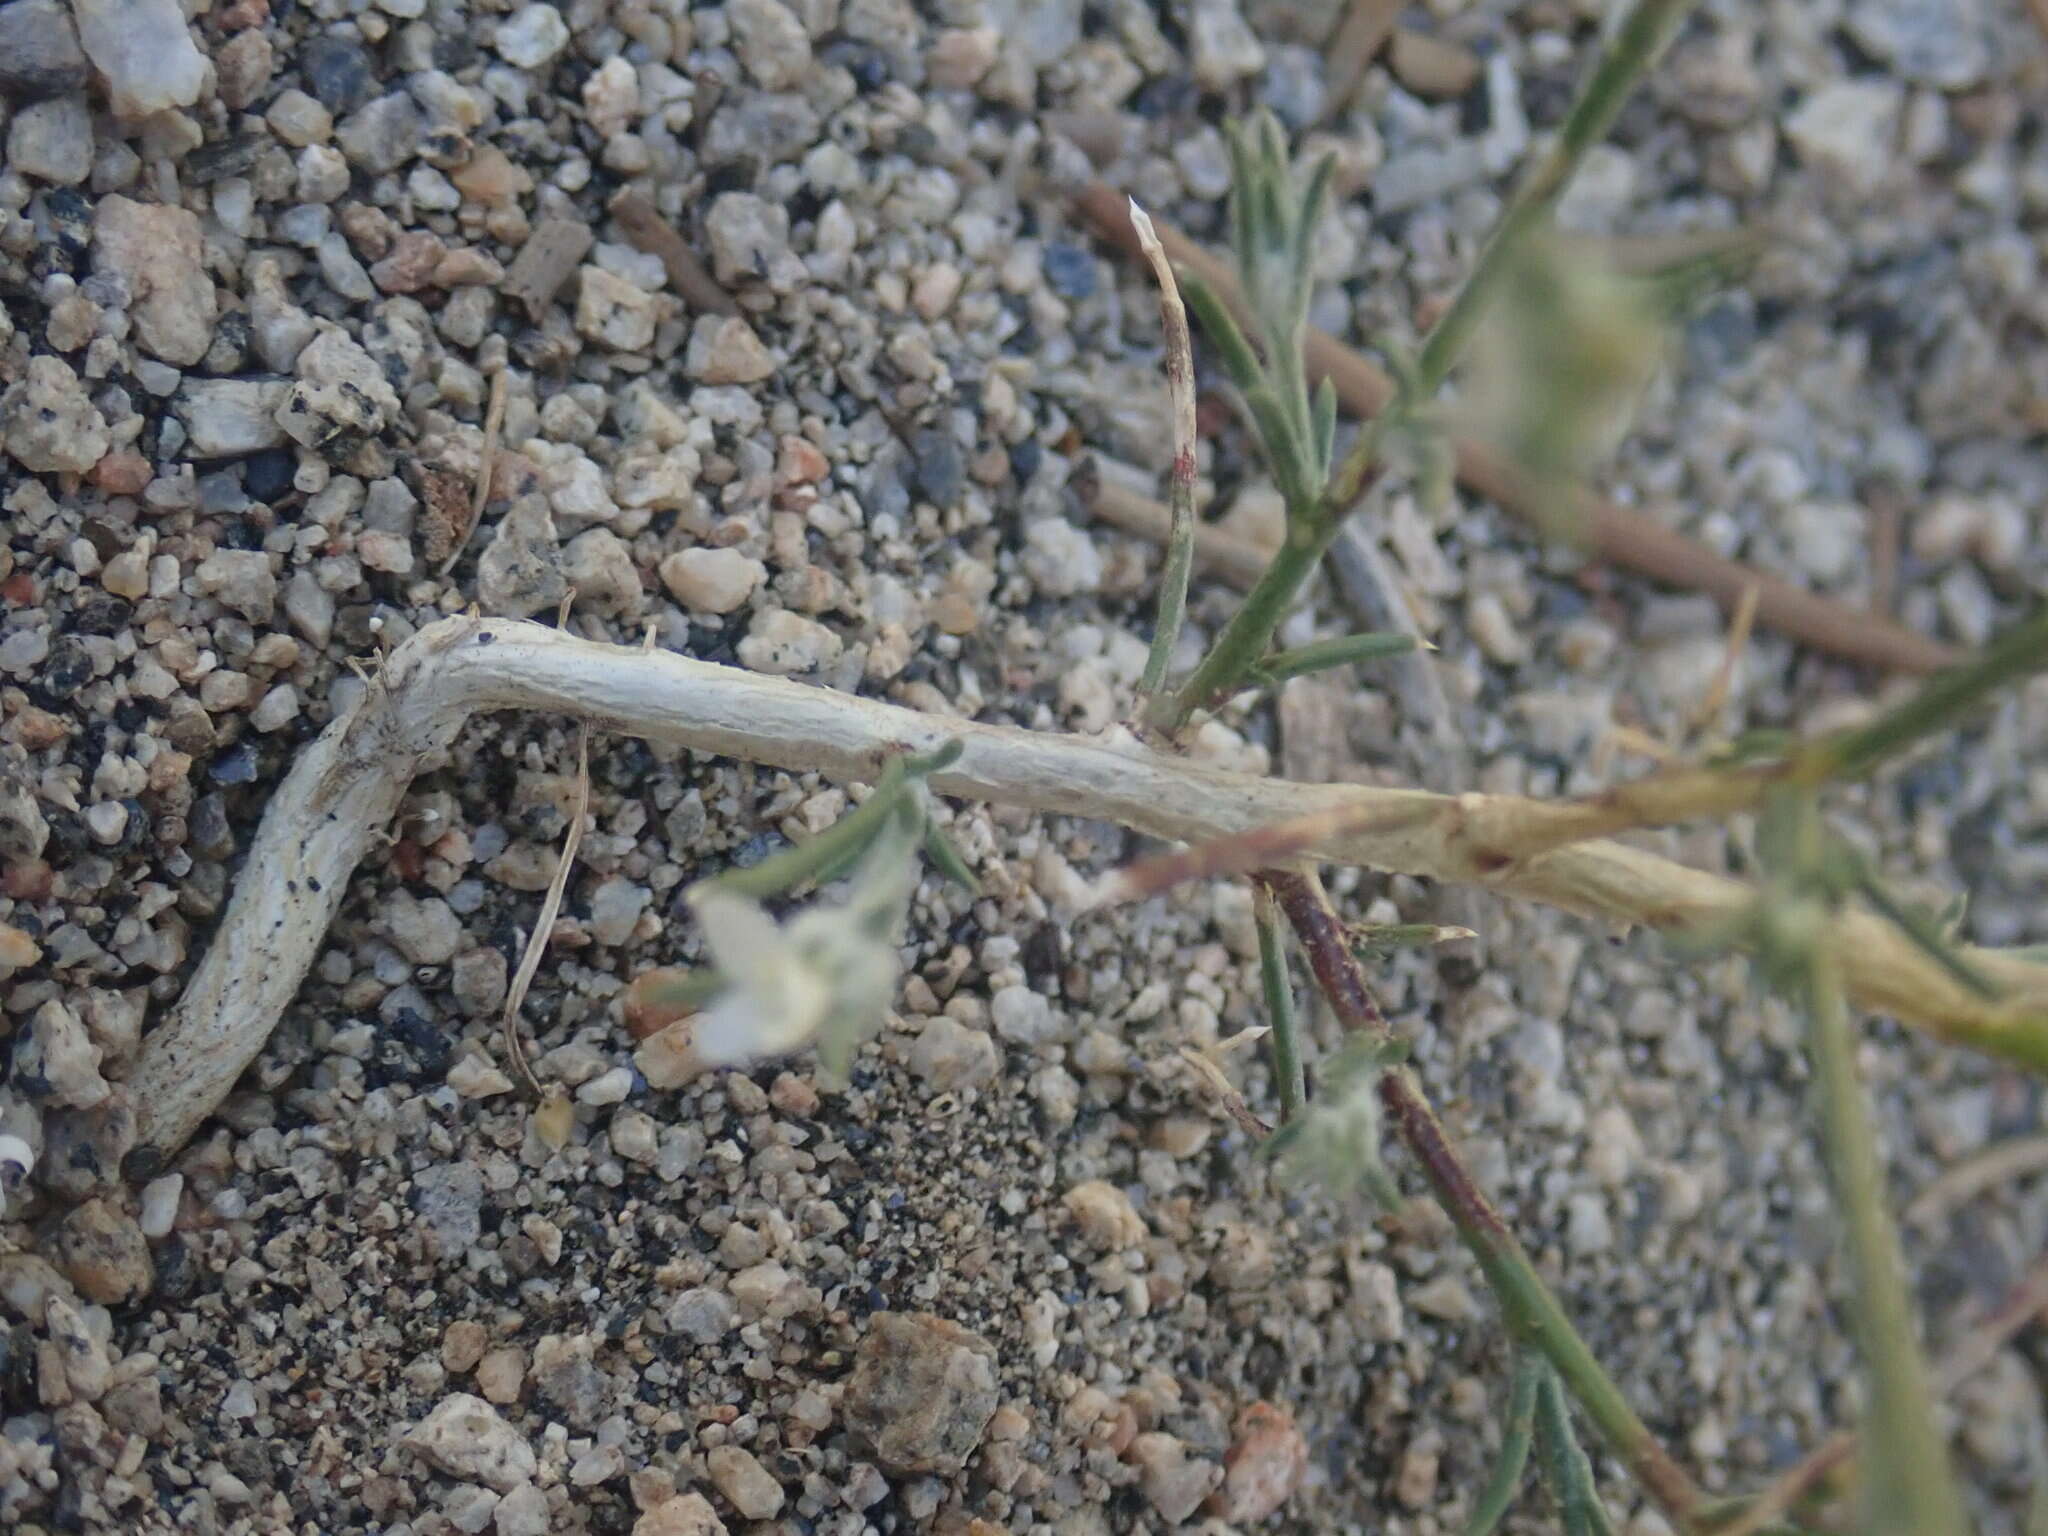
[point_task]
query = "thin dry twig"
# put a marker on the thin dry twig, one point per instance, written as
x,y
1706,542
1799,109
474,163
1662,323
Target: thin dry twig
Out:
x,y
1180,390
486,466
641,222
1708,709
1228,1099
1354,42
1619,534
544,922
552,251
2000,1164
1237,561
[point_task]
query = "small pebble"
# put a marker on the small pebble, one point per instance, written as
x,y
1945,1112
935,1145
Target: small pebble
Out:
x,y
1174,1480
523,1512
465,1438
336,69
531,36
103,1252
1266,1462
687,1514
922,1392
1105,1216
144,51
784,642
744,1482
52,140
607,1087
39,52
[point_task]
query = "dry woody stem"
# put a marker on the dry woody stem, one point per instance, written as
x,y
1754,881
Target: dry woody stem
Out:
x,y
349,783
1217,551
544,922
1180,390
641,222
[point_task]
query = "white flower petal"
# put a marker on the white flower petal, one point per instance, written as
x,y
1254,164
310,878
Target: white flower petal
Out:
x,y
728,1033
743,938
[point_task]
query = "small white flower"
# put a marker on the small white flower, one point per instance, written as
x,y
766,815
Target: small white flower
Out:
x,y
774,1000
826,977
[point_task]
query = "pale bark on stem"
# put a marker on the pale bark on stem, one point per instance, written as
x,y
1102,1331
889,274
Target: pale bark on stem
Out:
x,y
348,784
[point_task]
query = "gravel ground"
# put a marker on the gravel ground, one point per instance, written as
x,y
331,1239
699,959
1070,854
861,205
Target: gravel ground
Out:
x,y
260,273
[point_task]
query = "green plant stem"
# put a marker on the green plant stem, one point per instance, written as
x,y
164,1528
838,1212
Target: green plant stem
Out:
x,y
1532,1311
1279,993
1628,55
1506,1481
1908,1487
1315,512
831,850
1940,702
1533,1314
947,859
1250,631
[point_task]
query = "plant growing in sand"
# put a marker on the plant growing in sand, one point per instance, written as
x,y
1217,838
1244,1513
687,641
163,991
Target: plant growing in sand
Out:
x,y
824,978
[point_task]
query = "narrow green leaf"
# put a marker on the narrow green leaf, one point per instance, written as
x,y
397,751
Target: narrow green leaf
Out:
x,y
1285,454
1506,1481
1220,326
1272,231
1942,701
1925,932
1242,197
1309,217
831,851
1272,140
936,761
1313,199
1679,286
946,858
1321,655
1325,420
1279,994
675,991
1565,1463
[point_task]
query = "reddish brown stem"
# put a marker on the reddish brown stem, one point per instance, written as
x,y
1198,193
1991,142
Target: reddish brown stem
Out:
x,y
1321,931
1532,1312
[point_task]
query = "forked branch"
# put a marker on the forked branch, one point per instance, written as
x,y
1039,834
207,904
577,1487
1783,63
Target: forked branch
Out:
x,y
349,783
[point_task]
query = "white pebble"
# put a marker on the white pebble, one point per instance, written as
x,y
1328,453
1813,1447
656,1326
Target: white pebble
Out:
x,y
160,1204
532,36
607,1087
